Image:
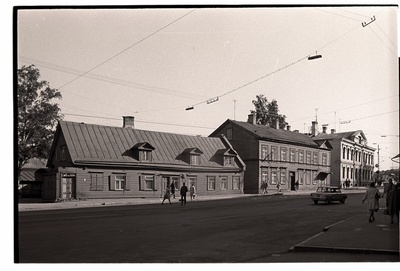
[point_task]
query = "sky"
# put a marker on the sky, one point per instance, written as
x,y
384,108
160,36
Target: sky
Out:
x,y
154,63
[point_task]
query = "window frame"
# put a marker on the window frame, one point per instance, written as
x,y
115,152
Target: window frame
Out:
x,y
211,180
223,180
119,182
235,180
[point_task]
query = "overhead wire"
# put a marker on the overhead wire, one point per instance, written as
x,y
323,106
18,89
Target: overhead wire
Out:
x,y
126,49
162,90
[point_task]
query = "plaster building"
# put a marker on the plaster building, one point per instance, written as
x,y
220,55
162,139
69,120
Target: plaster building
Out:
x,y
95,161
278,155
352,158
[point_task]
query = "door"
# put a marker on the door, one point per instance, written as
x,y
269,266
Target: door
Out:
x,y
165,182
68,187
292,180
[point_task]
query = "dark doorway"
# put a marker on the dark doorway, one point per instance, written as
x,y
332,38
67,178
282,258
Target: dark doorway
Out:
x,y
292,176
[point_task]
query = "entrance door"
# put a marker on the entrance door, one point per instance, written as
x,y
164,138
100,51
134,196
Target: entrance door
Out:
x,y
292,180
68,187
165,183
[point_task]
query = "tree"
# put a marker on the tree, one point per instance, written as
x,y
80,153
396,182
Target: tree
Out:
x,y
37,115
267,113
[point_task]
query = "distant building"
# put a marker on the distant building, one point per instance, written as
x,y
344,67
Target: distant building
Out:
x,y
352,158
278,156
95,161
30,180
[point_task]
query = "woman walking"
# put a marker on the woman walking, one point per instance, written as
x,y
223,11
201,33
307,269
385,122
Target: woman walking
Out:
x,y
372,196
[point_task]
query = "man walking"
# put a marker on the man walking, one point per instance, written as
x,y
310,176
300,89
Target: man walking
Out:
x,y
184,190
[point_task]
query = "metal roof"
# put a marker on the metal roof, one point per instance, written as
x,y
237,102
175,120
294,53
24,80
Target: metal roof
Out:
x,y
279,135
97,143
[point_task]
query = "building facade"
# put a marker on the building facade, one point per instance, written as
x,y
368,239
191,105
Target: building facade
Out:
x,y
352,158
278,156
94,161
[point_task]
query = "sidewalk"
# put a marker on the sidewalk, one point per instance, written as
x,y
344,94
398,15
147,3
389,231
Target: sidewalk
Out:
x,y
26,204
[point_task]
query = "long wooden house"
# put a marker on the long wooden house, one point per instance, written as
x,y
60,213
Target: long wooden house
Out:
x,y
95,161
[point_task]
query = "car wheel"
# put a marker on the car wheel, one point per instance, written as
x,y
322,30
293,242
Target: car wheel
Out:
x,y
342,200
315,201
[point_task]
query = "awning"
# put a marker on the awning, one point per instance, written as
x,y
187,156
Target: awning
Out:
x,y
322,175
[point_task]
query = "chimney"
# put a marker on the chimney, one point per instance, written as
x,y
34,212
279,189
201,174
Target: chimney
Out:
x,y
324,129
252,119
333,131
314,128
129,122
277,124
288,127
296,131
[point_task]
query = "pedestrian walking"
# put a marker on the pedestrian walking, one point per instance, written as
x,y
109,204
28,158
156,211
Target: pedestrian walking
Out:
x,y
192,191
266,187
278,185
173,189
262,187
372,196
296,185
183,191
394,203
167,195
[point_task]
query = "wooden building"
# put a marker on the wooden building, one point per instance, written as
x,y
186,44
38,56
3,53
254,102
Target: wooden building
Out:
x,y
94,161
278,156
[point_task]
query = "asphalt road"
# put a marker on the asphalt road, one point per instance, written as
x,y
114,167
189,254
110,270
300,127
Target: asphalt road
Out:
x,y
242,230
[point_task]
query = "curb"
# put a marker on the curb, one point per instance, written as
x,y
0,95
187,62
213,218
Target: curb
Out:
x,y
302,247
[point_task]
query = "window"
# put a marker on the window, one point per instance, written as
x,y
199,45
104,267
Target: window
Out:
x,y
62,153
264,176
120,182
145,156
292,155
348,154
264,152
283,154
314,177
274,176
228,161
308,177
301,176
224,183
344,153
301,156
147,182
274,153
308,158
191,180
211,183
96,181
229,133
194,159
324,159
343,172
315,158
236,183
283,176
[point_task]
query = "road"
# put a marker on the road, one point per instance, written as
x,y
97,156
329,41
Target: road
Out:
x,y
242,230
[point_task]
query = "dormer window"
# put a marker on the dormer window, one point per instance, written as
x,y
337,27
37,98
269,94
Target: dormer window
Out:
x,y
143,152
145,156
193,155
194,159
229,157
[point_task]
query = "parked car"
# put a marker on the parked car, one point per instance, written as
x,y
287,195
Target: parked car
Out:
x,y
328,194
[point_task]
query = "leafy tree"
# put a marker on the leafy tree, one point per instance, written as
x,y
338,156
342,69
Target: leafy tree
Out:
x,y
37,115
267,112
